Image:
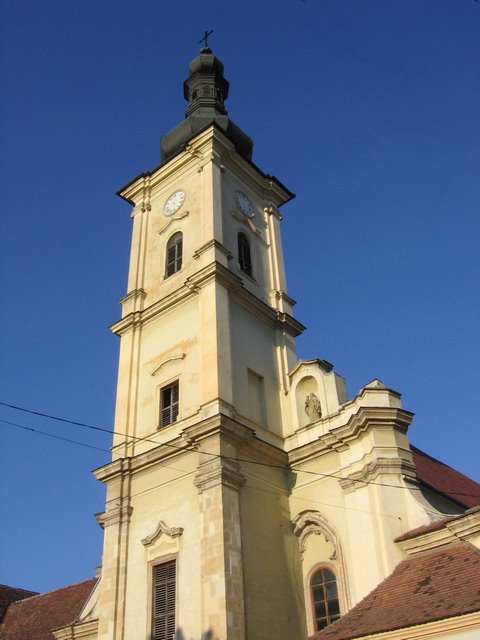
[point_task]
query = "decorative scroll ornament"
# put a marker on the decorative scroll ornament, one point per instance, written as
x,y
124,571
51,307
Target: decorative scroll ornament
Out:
x,y
171,532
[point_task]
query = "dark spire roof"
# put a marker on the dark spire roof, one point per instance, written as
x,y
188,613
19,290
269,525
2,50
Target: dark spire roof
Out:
x,y
206,91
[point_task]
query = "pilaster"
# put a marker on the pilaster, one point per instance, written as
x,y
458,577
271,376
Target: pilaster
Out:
x,y
219,482
115,522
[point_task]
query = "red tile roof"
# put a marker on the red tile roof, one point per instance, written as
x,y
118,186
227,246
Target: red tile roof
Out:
x,y
429,586
36,617
11,594
444,480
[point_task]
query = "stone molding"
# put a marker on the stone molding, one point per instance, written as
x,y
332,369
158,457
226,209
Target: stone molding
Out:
x,y
179,356
162,529
80,630
217,472
135,294
278,295
193,284
273,211
371,470
249,224
215,244
190,440
322,364
114,469
364,420
116,515
179,216
432,630
230,431
308,523
457,528
198,152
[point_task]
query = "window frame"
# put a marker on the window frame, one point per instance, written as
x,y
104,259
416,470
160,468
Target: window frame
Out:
x,y
177,262
174,406
329,618
250,273
152,566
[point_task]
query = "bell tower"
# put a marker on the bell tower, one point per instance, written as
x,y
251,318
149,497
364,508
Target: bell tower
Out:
x,y
196,508
243,484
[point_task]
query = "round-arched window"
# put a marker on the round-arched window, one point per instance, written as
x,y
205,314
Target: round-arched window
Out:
x,y
244,254
326,606
174,254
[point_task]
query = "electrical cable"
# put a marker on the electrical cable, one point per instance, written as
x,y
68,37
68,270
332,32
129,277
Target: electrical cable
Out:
x,y
51,435
216,455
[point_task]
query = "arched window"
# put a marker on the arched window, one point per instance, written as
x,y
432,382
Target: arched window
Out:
x,y
326,606
174,254
244,254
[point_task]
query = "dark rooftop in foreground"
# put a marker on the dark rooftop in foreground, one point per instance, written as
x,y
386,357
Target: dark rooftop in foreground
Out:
x,y
12,594
35,617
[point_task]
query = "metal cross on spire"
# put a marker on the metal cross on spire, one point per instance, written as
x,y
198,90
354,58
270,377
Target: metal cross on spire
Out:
x,y
205,37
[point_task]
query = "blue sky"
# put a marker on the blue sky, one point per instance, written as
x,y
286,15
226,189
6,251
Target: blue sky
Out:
x,y
366,109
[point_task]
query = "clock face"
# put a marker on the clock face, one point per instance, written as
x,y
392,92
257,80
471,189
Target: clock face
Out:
x,y
174,203
244,204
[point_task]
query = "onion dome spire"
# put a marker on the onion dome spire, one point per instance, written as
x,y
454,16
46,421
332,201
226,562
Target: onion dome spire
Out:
x,y
206,90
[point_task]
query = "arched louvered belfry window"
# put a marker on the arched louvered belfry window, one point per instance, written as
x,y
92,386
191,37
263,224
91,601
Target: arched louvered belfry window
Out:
x,y
245,254
325,602
174,254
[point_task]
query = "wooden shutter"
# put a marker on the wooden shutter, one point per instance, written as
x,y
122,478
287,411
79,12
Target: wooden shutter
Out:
x,y
164,585
169,404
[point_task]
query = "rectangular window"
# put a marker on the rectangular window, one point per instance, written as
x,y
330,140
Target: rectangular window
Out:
x,y
256,398
169,397
164,585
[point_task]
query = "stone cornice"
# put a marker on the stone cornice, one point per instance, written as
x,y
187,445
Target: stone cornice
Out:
x,y
322,445
134,295
338,438
215,245
370,471
77,631
193,284
463,527
431,630
114,469
238,434
158,453
323,364
114,515
208,146
375,417
191,440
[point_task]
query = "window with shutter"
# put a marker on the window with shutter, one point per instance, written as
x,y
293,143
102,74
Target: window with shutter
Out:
x,y
169,399
164,585
174,254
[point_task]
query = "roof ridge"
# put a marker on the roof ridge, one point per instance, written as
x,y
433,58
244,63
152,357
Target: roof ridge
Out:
x,y
45,593
8,586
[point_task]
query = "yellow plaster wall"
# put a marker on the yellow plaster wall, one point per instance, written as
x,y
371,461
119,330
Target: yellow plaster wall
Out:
x,y
165,492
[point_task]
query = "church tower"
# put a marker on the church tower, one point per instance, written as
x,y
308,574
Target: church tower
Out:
x,y
207,342
243,484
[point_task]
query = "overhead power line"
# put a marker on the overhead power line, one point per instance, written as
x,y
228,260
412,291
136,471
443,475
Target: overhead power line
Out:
x,y
214,455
